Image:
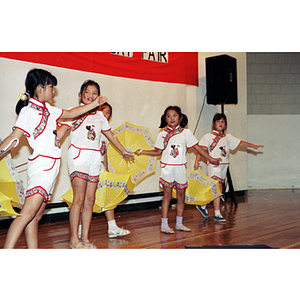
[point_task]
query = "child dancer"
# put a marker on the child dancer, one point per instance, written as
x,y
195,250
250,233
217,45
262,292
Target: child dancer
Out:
x,y
113,229
37,121
172,143
84,162
218,145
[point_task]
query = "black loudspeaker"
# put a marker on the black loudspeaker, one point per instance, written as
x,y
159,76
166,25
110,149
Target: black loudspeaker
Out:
x,y
221,80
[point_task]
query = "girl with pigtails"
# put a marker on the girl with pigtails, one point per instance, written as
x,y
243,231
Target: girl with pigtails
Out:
x,y
171,143
37,121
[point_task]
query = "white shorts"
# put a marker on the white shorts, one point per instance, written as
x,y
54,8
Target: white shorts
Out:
x,y
84,164
42,174
217,172
173,176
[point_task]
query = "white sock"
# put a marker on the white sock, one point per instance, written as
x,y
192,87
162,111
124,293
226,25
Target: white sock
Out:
x,y
203,206
217,213
164,222
112,225
179,221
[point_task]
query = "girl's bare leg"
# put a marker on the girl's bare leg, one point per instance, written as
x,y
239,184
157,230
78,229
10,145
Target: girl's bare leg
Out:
x,y
166,202
110,215
180,194
217,201
87,211
79,188
31,230
31,206
164,211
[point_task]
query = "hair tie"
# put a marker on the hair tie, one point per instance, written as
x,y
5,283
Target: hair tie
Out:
x,y
24,96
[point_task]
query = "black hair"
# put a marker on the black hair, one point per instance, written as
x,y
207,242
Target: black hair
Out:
x,y
182,117
219,116
106,104
34,78
87,83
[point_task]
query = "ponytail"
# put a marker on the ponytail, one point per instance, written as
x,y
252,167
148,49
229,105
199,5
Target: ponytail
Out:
x,y
184,121
23,101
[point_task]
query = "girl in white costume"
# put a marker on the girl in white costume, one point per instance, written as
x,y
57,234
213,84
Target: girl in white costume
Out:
x,y
218,144
113,229
37,121
84,162
171,144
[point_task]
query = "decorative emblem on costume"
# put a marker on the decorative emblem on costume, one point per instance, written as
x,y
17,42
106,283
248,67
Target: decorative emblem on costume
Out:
x,y
216,140
56,143
91,134
42,125
175,151
170,133
223,151
103,148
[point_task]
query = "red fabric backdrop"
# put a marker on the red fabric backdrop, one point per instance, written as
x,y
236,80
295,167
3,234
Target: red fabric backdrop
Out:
x,y
182,67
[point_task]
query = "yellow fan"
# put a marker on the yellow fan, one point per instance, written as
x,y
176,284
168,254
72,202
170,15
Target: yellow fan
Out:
x,y
132,138
201,188
112,189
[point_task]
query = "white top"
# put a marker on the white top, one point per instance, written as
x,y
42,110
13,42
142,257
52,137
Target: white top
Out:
x,y
86,130
173,143
218,145
38,121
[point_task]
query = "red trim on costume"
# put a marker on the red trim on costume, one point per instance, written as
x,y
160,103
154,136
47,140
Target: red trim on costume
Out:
x,y
62,112
63,124
25,132
38,190
174,184
237,146
193,146
165,164
106,130
32,159
51,167
218,179
72,145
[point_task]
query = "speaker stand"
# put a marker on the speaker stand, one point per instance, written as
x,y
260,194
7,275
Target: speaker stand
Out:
x,y
229,181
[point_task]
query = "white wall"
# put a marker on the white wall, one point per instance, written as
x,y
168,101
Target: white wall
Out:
x,y
273,93
278,167
135,101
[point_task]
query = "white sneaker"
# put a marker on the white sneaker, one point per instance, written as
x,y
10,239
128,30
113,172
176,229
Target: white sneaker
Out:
x,y
117,232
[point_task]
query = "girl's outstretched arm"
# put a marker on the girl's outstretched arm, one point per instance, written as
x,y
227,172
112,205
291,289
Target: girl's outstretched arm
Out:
x,y
155,152
11,141
250,145
201,151
80,110
126,155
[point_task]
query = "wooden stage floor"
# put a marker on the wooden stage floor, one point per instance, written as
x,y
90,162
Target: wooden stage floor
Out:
x,y
263,217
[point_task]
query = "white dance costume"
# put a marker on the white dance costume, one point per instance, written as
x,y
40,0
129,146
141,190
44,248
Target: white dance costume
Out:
x,y
38,121
84,157
218,146
173,143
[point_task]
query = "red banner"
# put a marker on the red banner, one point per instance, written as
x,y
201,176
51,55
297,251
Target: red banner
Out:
x,y
173,67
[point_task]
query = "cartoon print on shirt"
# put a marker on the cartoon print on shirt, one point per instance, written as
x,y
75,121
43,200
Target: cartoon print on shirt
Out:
x,y
175,151
91,134
223,151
